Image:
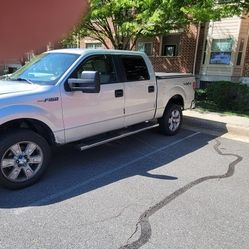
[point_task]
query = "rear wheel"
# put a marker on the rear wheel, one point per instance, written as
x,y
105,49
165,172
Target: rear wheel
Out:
x,y
171,121
24,157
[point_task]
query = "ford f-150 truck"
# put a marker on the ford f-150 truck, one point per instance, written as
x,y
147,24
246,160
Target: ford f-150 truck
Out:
x,y
91,96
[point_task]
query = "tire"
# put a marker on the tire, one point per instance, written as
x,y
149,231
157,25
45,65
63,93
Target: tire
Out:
x,y
171,121
24,156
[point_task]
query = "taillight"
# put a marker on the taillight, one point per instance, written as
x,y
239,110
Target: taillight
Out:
x,y
194,85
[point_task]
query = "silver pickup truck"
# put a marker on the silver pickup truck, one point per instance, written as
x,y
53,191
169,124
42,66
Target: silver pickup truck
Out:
x,y
71,95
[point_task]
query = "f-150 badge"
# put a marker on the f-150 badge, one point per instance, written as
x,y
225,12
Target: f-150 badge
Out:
x,y
53,99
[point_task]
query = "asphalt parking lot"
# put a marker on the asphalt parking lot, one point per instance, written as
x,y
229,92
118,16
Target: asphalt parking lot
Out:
x,y
145,191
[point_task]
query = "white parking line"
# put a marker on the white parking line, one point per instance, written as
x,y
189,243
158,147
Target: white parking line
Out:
x,y
49,198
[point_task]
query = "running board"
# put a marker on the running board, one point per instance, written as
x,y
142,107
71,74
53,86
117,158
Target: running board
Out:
x,y
117,135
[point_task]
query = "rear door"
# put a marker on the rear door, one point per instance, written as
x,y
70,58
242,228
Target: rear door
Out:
x,y
139,89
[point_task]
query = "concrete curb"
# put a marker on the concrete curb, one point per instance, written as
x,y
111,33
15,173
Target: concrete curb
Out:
x,y
214,126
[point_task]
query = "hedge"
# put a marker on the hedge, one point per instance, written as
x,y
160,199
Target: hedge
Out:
x,y
227,96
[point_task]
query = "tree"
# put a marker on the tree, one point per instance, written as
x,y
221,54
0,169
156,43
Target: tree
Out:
x,y
122,22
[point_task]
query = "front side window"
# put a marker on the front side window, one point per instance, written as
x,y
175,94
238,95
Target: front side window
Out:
x,y
135,68
100,63
221,51
45,69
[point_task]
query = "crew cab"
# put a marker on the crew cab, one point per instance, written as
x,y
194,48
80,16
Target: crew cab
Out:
x,y
85,96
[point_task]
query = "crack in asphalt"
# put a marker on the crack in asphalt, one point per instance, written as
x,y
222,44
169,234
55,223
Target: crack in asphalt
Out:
x,y
133,233
111,217
143,221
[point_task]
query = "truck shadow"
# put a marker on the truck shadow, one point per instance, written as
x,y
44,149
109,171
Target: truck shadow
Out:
x,y
72,173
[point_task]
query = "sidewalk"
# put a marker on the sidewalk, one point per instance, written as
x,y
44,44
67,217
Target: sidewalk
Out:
x,y
217,123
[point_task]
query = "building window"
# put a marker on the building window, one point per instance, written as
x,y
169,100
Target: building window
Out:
x,y
240,52
93,45
145,47
72,45
221,51
169,50
170,45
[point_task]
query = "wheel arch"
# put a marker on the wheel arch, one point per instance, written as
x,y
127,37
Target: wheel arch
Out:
x,y
32,124
176,100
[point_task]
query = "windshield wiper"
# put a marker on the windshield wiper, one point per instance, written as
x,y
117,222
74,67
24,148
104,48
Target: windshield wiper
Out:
x,y
24,79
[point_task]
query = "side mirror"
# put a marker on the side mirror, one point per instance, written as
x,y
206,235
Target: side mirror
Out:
x,y
88,83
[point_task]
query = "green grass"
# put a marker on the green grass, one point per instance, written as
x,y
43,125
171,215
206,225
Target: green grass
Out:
x,y
209,106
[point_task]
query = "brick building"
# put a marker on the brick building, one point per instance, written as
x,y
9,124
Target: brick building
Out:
x,y
213,51
172,53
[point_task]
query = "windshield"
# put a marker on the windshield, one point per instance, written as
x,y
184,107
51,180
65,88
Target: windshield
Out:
x,y
45,68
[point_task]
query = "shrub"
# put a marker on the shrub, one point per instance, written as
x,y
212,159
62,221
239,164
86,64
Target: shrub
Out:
x,y
229,96
200,94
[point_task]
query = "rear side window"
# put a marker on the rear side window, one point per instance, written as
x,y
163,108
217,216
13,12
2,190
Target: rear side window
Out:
x,y
135,68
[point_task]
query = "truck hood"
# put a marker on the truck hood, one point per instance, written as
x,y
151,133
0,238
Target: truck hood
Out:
x,y
8,87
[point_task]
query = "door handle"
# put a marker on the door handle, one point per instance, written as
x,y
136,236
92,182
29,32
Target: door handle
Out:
x,y
119,93
151,89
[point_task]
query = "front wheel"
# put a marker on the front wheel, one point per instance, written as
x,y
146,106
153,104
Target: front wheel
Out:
x,y
171,121
24,157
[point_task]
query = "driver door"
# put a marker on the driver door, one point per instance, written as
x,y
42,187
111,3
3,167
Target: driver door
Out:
x,y
89,114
